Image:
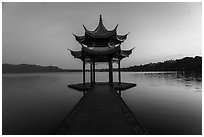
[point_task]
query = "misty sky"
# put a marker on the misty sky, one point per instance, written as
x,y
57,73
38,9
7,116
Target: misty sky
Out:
x,y
40,33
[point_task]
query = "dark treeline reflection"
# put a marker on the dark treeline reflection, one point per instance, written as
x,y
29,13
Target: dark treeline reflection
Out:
x,y
182,76
163,102
36,103
166,103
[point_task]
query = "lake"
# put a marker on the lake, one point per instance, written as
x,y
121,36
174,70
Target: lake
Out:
x,y
163,102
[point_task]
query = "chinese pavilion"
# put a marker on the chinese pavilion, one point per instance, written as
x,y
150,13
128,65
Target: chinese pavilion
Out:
x,y
101,45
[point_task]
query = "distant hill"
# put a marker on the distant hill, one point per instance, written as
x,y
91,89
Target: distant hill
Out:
x,y
26,68
184,64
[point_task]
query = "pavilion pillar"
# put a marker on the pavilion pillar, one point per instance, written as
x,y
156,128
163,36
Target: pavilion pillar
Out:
x,y
119,72
84,72
94,71
110,71
91,70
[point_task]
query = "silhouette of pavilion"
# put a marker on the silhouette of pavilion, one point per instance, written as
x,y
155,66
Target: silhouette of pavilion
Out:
x,y
101,45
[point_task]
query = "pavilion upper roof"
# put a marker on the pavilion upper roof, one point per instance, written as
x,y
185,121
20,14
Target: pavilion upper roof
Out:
x,y
91,38
100,31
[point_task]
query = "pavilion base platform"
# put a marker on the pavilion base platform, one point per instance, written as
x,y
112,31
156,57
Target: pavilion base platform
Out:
x,y
80,86
117,86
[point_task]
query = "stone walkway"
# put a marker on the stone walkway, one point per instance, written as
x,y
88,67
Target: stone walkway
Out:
x,y
101,112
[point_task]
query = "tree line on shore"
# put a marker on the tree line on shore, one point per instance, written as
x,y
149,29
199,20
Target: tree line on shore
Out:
x,y
184,64
27,68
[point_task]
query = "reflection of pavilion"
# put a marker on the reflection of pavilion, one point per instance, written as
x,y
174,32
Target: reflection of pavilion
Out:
x,y
101,45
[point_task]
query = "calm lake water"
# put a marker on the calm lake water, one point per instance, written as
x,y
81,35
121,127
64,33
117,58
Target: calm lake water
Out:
x,y
163,102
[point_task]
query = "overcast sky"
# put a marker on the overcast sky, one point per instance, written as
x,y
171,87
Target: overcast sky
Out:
x,y
40,33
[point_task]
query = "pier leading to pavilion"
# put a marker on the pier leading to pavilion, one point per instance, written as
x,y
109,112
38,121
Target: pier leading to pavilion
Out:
x,y
101,110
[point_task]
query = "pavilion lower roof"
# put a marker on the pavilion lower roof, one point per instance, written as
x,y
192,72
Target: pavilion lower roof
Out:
x,y
101,54
95,51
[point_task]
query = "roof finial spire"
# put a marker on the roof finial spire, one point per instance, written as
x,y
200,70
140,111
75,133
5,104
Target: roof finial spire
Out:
x,y
100,20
